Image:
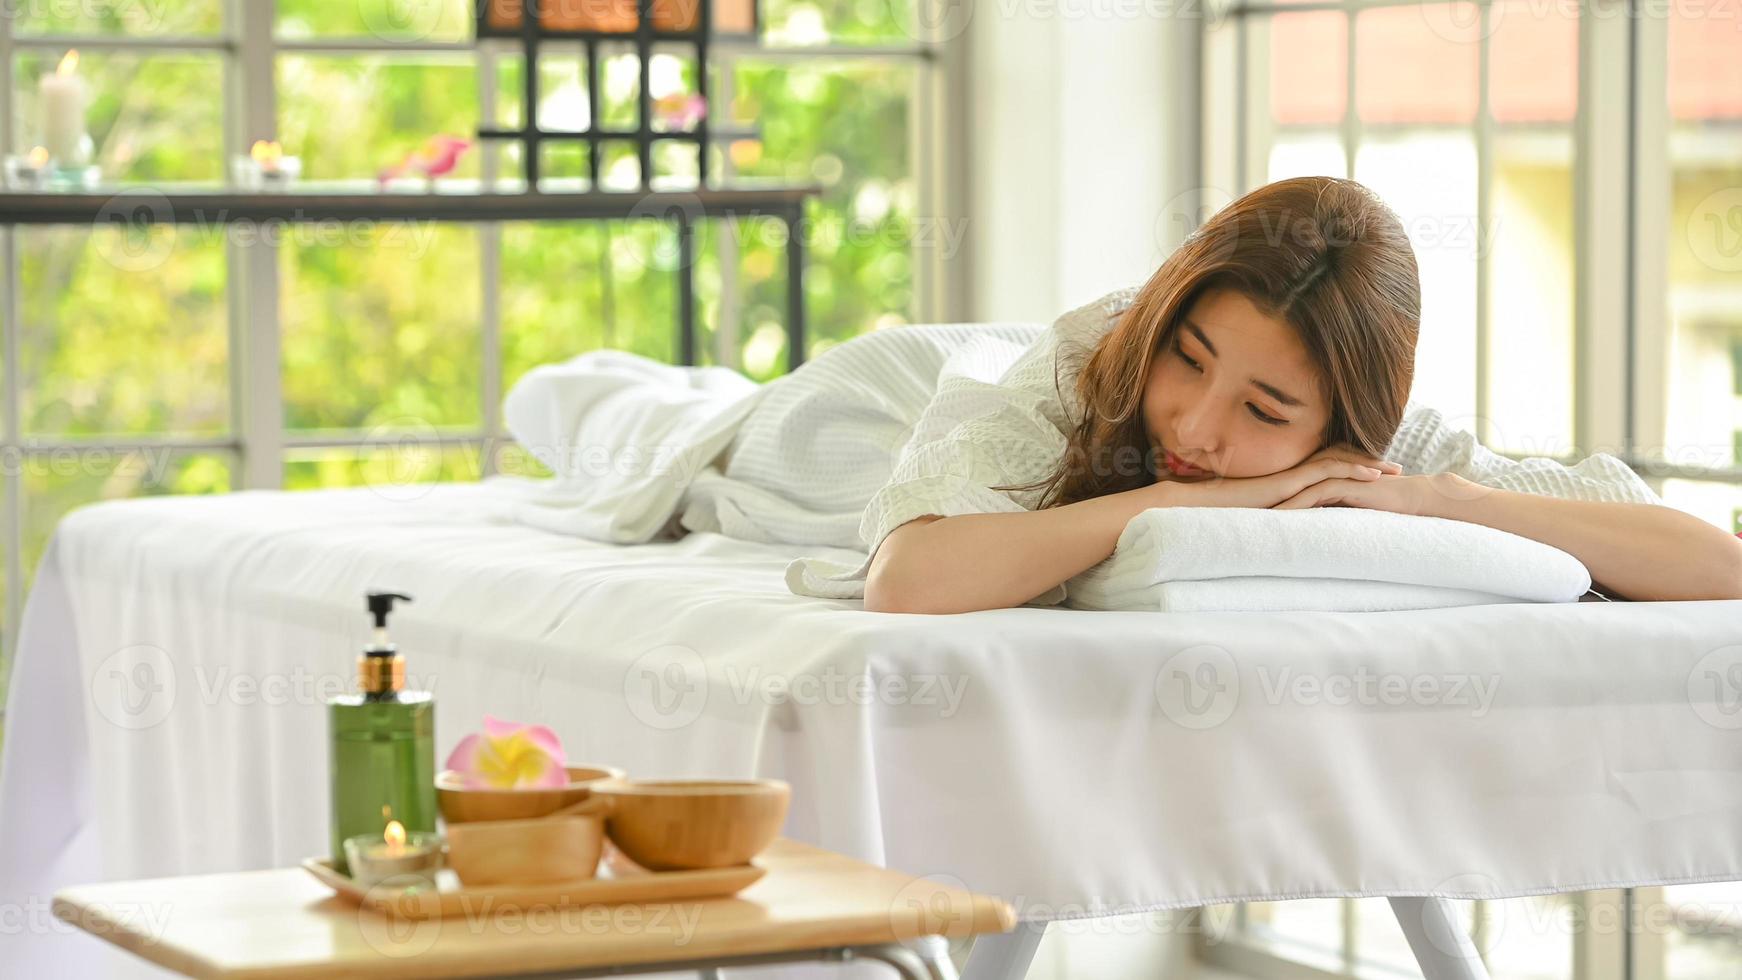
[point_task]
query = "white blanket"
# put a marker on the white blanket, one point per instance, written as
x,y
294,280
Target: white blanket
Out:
x,y
624,436
643,450
1338,559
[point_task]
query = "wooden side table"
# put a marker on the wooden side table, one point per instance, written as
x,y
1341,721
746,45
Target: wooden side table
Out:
x,y
813,905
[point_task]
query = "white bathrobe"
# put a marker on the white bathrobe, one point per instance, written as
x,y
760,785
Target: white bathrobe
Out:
x,y
980,431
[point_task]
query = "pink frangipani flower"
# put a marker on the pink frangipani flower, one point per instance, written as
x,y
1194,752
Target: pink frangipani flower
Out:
x,y
510,756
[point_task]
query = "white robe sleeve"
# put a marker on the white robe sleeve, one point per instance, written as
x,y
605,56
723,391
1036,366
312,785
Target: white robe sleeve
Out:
x,y
1425,443
991,423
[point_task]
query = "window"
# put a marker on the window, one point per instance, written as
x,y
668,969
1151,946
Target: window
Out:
x,y
142,360
1579,232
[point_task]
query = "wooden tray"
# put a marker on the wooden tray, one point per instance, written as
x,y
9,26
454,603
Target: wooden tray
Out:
x,y
619,881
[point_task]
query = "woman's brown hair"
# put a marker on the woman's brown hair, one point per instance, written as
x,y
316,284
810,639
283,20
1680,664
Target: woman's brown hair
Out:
x,y
1322,254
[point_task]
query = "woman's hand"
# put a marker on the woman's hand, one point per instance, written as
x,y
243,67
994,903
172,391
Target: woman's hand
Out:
x,y
1425,495
1335,464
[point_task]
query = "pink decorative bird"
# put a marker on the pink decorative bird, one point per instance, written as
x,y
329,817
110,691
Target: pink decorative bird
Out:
x,y
437,156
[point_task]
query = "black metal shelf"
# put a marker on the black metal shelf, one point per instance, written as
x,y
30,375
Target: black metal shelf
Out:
x,y
135,206
532,33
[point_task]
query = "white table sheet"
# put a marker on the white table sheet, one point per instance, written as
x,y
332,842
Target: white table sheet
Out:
x,y
166,712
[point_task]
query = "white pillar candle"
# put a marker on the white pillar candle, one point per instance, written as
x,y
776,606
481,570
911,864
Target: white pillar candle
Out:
x,y
62,98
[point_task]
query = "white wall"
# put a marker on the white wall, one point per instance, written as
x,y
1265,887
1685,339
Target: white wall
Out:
x,y
1082,133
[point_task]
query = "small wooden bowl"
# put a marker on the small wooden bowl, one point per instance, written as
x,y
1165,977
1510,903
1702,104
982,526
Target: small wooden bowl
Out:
x,y
680,824
526,852
462,805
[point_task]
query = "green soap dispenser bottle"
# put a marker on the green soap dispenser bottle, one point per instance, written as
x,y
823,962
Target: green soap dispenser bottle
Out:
x,y
383,744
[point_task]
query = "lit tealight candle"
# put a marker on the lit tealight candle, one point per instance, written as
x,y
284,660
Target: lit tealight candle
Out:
x,y
62,98
270,165
408,859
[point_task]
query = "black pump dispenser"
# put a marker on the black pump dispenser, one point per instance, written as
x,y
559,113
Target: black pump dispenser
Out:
x,y
380,604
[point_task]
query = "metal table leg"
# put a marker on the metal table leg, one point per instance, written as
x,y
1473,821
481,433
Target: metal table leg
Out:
x,y
1440,944
923,960
1004,956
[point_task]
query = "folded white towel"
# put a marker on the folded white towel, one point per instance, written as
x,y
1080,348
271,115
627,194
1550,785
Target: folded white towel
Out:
x,y
1325,558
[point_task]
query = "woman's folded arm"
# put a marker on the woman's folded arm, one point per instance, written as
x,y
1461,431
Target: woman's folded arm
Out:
x,y
994,561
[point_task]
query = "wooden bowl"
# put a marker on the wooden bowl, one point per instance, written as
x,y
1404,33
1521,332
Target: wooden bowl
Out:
x,y
462,805
532,852
675,824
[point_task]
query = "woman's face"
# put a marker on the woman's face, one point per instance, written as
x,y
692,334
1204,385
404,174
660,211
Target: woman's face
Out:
x,y
1233,394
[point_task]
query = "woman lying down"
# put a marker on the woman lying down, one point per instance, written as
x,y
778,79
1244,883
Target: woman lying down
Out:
x,y
1266,364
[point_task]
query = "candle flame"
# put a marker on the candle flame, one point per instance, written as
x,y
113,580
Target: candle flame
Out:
x,y
69,63
38,156
395,835
266,153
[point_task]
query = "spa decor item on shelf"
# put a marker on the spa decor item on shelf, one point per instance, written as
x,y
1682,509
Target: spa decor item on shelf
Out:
x,y
27,171
643,29
62,99
264,167
382,744
437,157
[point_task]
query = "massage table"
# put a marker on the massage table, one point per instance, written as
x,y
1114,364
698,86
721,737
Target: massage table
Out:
x,y
166,717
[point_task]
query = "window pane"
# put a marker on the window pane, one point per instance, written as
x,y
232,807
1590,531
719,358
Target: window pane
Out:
x,y
123,330
1417,63
398,471
56,482
1307,154
1533,65
1295,117
384,20
1531,938
380,325
1429,179
562,88
1704,390
150,118
513,460
1701,943
352,117
809,22
1308,931
6,623
570,287
1527,244
845,127
1379,939
1308,59
181,17
1717,503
